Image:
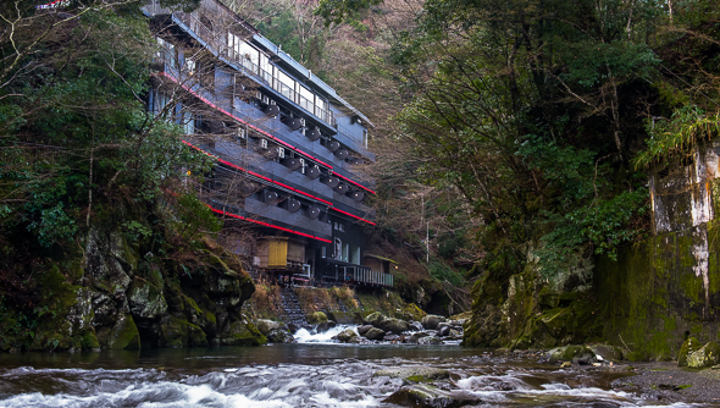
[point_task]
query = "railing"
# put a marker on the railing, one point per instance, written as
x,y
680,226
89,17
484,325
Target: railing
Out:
x,y
218,42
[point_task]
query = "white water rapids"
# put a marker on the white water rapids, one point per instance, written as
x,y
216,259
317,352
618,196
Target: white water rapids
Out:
x,y
312,375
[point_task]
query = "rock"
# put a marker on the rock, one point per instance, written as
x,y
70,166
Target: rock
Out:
x,y
429,340
346,335
444,331
240,333
388,324
266,326
280,335
317,318
415,326
689,346
374,334
606,353
391,338
707,356
146,300
427,396
575,354
323,327
431,321
364,329
181,333
413,338
124,335
415,374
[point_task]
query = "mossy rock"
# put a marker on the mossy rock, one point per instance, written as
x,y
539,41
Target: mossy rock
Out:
x,y
179,332
317,318
572,353
124,335
89,340
411,311
707,356
689,346
239,333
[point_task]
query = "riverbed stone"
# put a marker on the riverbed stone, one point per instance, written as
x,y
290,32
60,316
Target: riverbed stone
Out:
x,y
124,334
364,329
374,334
432,321
689,346
415,374
427,396
280,335
606,352
241,333
429,340
707,356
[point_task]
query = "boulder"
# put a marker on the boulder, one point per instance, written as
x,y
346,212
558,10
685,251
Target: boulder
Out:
x,y
575,354
374,334
388,324
689,346
432,321
323,327
317,318
364,329
266,326
427,396
429,340
280,335
604,352
346,335
707,356
241,333
413,338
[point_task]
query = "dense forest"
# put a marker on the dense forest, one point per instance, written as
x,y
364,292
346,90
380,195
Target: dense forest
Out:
x,y
509,133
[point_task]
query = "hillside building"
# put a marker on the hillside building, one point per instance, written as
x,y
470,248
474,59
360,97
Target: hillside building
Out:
x,y
286,146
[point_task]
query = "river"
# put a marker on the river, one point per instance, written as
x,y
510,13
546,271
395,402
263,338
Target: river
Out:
x,y
294,375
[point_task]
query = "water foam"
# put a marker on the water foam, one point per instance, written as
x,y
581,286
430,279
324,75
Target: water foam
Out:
x,y
305,336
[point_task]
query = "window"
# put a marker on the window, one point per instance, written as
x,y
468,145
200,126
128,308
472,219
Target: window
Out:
x,y
323,252
161,100
346,252
187,121
338,248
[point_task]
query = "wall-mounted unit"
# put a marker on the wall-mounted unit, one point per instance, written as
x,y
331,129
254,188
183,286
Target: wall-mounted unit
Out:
x,y
314,211
293,163
313,172
270,197
272,109
333,145
313,134
342,154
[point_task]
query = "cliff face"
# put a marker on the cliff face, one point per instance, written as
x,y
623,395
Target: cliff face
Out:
x,y
647,302
119,299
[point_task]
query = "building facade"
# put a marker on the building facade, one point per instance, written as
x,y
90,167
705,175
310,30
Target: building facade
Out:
x,y
286,147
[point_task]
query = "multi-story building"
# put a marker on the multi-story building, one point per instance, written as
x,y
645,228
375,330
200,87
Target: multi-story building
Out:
x,y
286,146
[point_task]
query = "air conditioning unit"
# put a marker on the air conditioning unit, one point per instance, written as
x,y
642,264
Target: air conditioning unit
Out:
x,y
302,166
281,152
263,143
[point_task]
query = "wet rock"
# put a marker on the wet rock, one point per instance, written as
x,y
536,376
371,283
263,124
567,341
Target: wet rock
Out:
x,y
707,356
426,396
415,374
323,327
444,331
388,324
689,346
364,329
181,333
124,335
606,353
429,340
374,334
280,335
432,321
575,354
241,333
391,337
346,335
415,326
413,338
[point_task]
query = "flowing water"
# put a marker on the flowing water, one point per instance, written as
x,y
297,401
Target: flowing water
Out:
x,y
294,375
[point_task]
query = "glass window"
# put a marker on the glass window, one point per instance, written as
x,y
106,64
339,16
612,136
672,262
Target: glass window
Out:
x,y
306,99
285,85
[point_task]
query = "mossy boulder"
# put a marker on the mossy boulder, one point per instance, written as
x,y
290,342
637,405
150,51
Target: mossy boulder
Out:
x,y
179,332
346,335
575,353
317,318
241,333
607,352
689,346
124,334
388,324
707,356
373,333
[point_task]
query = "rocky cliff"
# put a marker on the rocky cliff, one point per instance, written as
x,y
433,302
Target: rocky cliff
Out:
x,y
117,298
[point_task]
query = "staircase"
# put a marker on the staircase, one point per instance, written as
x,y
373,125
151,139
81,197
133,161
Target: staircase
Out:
x,y
291,313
